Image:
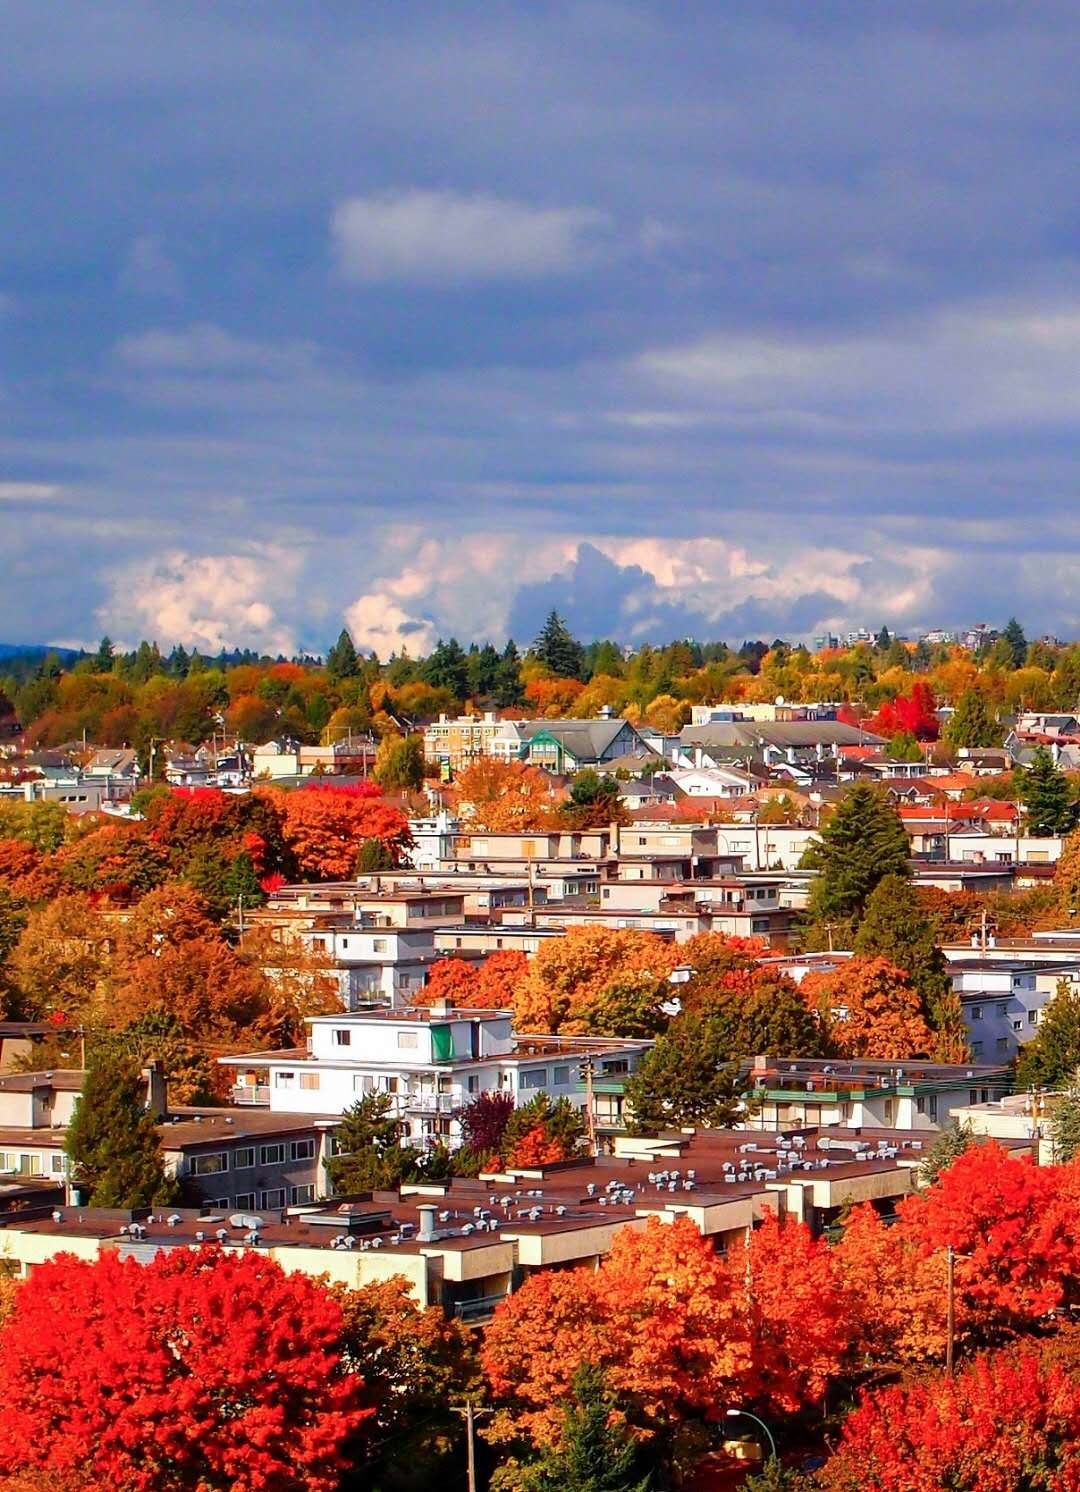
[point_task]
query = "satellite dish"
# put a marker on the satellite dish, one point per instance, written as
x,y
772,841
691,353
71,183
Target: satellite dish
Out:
x,y
247,1221
779,699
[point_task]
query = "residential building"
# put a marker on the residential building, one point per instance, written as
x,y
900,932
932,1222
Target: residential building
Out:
x,y
568,746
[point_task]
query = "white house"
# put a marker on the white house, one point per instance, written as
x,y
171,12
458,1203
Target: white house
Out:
x,y
431,1062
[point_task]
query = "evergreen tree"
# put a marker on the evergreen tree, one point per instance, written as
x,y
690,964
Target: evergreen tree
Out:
x,y
971,724
920,658
508,689
559,1118
1065,1124
558,649
341,660
446,667
895,927
950,1145
374,856
861,844
103,658
369,1155
903,747
883,640
399,762
1014,636
112,1141
1053,1054
686,1078
483,671
596,1451
1047,796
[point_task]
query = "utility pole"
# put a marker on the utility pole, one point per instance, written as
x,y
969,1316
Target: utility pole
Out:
x,y
586,1070
470,1415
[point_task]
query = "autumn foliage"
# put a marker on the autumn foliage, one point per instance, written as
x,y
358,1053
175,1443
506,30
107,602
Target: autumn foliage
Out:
x,y
200,1369
871,1010
324,828
498,796
489,985
569,975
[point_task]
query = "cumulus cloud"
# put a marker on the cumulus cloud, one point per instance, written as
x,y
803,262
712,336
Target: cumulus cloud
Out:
x,y
437,237
208,601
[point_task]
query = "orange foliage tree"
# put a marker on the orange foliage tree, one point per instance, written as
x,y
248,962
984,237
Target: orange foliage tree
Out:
x,y
200,1369
452,979
325,827
501,797
871,1009
570,974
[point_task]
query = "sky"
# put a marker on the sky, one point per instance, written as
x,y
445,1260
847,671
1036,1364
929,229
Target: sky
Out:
x,y
709,319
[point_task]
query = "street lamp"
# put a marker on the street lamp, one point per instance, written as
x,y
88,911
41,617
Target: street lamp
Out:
x,y
745,1414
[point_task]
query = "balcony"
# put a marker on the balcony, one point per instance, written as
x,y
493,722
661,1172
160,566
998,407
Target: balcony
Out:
x,y
431,1103
250,1094
477,1312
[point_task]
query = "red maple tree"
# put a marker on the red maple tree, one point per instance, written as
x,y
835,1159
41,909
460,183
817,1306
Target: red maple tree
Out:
x,y
202,1369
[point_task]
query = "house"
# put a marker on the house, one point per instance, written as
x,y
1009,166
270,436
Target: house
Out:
x,y
113,768
431,1061
910,1096
279,758
797,744
225,1157
353,754
568,746
1003,999
458,743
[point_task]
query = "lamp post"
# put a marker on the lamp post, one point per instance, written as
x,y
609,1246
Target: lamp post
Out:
x,y
745,1414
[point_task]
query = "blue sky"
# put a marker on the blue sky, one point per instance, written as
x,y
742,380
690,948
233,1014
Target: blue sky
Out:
x,y
724,319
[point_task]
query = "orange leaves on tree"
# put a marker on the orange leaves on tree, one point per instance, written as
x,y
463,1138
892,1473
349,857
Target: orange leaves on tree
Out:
x,y
498,797
324,829
796,1311
570,974
452,979
552,697
895,1294
872,1010
535,1149
489,985
199,1369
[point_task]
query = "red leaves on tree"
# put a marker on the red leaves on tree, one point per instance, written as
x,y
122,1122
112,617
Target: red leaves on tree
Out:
x,y
1007,1421
536,1149
199,1369
911,714
325,827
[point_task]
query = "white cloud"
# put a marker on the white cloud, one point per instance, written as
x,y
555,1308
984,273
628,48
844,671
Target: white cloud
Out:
x,y
206,349
148,270
439,237
208,601
24,492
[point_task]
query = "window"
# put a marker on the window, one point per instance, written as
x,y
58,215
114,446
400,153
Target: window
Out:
x,y
536,1078
342,1037
273,1198
209,1165
1018,1025
560,1076
616,1065
933,1107
302,1193
1003,1043
302,1150
976,1012
1033,1017
244,1159
58,1164
363,1082
284,1079
976,1051
245,1200
1003,1007
271,1155
378,945
472,1083
408,1040
309,1080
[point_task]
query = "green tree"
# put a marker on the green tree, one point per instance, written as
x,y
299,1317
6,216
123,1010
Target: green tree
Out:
x,y
686,1078
883,640
558,649
508,690
374,856
1065,1124
112,1141
950,1145
369,1150
103,658
559,1119
446,667
896,928
596,1451
861,844
1053,1054
903,747
341,660
399,762
1014,636
1047,796
971,723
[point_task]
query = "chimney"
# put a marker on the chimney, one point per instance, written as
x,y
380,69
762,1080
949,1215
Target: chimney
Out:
x,y
157,1092
441,1006
426,1231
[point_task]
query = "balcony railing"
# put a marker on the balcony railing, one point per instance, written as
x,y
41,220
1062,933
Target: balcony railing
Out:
x,y
248,1093
431,1103
477,1312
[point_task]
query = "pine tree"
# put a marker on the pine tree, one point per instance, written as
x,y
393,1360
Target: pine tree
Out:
x,y
971,723
896,928
558,649
883,639
861,844
1014,636
950,1144
112,1141
686,1078
508,689
369,1152
1065,1125
1053,1054
1047,797
103,659
446,667
595,1452
341,660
